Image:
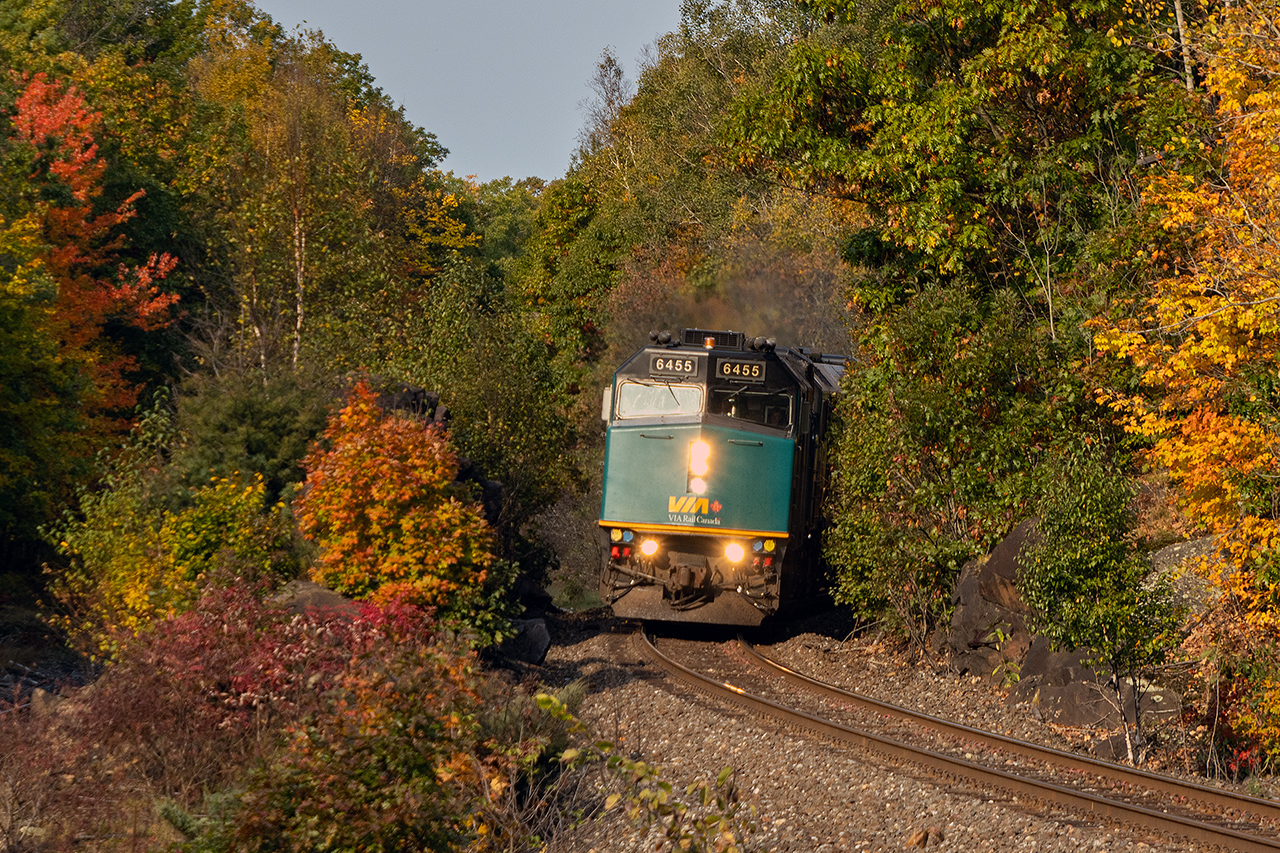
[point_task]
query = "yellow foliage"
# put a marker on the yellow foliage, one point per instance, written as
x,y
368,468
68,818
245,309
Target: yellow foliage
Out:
x,y
1208,344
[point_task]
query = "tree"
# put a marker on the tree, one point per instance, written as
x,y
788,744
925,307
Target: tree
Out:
x,y
1205,342
945,414
141,548
508,415
1208,342
381,504
69,291
54,133
329,207
990,147
1088,587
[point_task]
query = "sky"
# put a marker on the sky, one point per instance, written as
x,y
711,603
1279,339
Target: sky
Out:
x,y
500,82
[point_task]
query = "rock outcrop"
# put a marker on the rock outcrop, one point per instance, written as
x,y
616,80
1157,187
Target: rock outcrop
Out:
x,y
299,596
989,637
988,627
531,642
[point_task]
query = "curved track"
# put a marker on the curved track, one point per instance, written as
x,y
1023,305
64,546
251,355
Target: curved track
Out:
x,y
1165,807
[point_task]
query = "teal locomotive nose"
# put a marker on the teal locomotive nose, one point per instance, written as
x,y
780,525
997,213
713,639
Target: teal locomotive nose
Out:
x,y
746,486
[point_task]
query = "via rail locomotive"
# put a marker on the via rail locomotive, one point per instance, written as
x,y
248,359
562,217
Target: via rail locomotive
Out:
x,y
714,473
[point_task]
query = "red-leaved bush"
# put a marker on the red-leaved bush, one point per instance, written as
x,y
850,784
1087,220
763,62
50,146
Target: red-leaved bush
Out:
x,y
196,704
387,767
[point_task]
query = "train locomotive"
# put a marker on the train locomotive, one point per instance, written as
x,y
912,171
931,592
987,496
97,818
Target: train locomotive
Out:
x,y
714,474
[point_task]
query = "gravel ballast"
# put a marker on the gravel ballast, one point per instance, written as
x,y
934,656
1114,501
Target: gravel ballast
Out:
x,y
810,794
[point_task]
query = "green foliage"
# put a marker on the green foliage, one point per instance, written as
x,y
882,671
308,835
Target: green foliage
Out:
x,y
568,265
492,372
505,219
1087,584
940,424
249,424
992,138
133,559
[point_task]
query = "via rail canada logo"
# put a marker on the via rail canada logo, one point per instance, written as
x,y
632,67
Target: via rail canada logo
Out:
x,y
691,509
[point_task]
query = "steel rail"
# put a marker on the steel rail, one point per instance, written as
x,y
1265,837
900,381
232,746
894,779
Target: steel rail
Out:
x,y
1203,794
1137,817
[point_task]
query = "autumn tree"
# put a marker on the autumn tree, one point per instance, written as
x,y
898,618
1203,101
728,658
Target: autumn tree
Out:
x,y
54,132
141,546
329,205
1206,342
69,290
381,503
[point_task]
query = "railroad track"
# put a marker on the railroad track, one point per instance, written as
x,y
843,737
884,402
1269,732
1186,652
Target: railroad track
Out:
x,y
1146,803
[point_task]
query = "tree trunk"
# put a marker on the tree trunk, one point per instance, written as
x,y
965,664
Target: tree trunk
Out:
x,y
1186,46
299,272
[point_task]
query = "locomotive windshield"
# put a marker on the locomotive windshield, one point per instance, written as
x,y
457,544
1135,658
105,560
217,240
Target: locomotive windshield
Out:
x,y
650,399
758,407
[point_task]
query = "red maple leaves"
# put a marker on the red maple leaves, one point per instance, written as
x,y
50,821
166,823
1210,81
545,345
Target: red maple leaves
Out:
x,y
55,128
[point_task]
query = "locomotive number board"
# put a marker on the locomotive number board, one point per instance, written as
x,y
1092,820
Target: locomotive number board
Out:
x,y
740,371
684,366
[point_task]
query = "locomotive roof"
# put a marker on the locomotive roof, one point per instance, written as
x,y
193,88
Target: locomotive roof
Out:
x,y
822,369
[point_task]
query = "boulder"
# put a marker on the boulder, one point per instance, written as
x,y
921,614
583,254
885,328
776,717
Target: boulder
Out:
x,y
531,642
1177,563
1062,688
43,702
988,631
988,637
999,577
299,596
533,597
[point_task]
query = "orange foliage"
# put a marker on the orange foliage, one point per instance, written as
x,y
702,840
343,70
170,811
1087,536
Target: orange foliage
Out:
x,y
381,504
55,128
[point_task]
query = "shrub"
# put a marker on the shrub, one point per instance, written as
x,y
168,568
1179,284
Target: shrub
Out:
x,y
374,768
942,418
187,707
381,503
1086,584
133,560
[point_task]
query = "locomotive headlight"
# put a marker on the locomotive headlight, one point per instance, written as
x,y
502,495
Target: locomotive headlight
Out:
x,y
699,454
649,547
698,486
734,552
